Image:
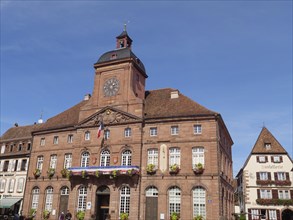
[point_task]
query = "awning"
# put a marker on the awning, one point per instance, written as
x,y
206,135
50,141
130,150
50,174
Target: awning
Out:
x,y
8,202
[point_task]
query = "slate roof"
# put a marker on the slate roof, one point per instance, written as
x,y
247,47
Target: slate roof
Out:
x,y
120,54
264,137
20,132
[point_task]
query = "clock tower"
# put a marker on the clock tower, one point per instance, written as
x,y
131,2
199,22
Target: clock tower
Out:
x,y
119,80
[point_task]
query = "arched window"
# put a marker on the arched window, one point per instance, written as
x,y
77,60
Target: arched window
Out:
x,y
126,158
199,201
105,158
49,198
85,159
64,190
174,200
35,197
124,199
82,194
151,192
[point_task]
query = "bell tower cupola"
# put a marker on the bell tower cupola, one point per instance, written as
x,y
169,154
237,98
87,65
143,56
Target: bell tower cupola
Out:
x,y
123,40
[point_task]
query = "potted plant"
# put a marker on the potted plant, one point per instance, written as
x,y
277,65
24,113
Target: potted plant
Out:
x,y
123,216
46,214
198,217
37,173
175,216
84,174
131,172
174,169
32,213
114,174
51,172
198,168
64,172
98,173
80,215
151,169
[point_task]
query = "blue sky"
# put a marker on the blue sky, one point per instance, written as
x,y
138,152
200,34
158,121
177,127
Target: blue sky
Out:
x,y
233,57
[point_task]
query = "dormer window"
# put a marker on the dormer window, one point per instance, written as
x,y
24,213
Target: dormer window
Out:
x,y
113,56
268,146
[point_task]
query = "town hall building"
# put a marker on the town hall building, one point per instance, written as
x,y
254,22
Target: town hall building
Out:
x,y
124,151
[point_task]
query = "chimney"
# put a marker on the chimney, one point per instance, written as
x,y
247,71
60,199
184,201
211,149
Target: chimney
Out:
x,y
40,121
174,94
16,124
87,97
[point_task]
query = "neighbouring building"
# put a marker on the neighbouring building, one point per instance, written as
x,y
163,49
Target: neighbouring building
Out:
x,y
16,144
127,151
264,184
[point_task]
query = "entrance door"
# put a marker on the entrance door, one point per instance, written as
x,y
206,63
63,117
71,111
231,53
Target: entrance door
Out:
x,y
151,210
63,204
287,214
102,202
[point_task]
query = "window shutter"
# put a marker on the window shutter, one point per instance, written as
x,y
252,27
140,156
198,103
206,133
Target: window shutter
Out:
x,y
257,176
258,193
1,165
249,214
272,159
18,165
257,158
281,159
291,192
278,215
266,158
269,176
276,176
275,194
287,176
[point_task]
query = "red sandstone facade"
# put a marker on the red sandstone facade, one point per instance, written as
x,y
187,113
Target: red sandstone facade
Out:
x,y
107,176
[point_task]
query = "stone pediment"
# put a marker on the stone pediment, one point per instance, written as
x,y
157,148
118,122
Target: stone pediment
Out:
x,y
109,116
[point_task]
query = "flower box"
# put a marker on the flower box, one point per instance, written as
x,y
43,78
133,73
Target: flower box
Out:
x,y
51,172
37,173
174,169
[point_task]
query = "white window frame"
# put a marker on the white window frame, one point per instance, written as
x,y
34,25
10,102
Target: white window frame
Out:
x,y
262,159
40,161
2,185
64,191
124,200
53,161
20,184
127,132
42,142
87,135
35,197
276,159
199,201
254,214
55,140
67,160
153,157
49,199
126,158
174,198
82,197
272,214
281,176
11,185
265,194
174,130
284,194
107,134
263,176
85,159
70,139
105,158
174,156
197,129
151,192
153,131
197,156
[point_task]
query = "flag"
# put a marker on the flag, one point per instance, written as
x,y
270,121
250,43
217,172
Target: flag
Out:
x,y
101,128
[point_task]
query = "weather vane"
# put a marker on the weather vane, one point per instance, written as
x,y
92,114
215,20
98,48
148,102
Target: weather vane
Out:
x,y
125,25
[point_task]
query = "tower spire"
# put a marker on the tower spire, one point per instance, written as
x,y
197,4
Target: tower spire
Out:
x,y
123,40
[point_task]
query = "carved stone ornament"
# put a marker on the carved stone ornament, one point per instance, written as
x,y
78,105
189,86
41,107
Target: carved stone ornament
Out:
x,y
108,117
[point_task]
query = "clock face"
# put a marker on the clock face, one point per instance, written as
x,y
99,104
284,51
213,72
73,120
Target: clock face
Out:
x,y
111,87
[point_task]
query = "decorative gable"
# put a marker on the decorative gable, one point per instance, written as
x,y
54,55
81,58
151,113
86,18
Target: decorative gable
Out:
x,y
109,116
